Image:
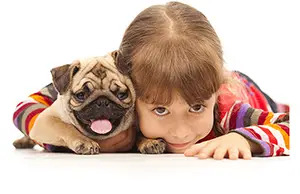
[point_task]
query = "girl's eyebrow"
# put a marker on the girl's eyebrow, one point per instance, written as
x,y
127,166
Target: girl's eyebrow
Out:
x,y
156,105
201,103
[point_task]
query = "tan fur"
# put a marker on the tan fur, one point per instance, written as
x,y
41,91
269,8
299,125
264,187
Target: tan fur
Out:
x,y
50,129
57,124
150,146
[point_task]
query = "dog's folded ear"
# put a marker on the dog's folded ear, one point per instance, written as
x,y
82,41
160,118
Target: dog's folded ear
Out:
x,y
122,64
115,54
62,76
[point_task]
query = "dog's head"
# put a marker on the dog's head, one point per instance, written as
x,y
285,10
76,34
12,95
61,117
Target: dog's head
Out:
x,y
96,97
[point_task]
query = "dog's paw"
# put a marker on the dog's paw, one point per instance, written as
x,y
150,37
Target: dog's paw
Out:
x,y
152,146
23,143
87,147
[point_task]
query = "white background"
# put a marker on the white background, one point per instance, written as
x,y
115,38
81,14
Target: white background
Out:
x,y
259,38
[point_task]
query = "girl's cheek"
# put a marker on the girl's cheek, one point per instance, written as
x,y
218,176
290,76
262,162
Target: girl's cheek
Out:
x,y
203,126
151,129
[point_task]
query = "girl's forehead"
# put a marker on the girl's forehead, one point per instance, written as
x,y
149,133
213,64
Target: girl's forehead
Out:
x,y
176,98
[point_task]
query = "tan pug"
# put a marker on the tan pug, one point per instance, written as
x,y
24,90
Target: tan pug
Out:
x,y
95,102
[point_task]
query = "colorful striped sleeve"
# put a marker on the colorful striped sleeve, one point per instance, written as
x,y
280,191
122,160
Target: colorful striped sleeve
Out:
x,y
27,111
267,129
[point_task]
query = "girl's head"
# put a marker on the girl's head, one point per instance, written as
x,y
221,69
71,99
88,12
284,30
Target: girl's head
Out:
x,y
174,58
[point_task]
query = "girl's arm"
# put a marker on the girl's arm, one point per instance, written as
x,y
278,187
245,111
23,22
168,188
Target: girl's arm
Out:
x,y
270,131
27,111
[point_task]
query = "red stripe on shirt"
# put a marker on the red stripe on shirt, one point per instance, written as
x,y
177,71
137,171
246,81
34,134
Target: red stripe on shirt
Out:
x,y
281,116
19,104
17,112
285,128
272,139
280,151
253,133
262,117
260,100
48,100
29,117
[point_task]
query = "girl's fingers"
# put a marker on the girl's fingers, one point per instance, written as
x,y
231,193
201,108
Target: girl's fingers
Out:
x,y
207,151
233,153
194,149
220,153
246,154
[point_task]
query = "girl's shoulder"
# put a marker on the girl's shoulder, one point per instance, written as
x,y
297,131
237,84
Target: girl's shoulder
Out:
x,y
238,88
231,91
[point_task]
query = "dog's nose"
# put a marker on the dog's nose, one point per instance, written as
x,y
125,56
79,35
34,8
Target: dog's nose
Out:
x,y
103,101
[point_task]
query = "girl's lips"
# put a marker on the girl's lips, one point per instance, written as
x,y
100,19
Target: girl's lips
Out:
x,y
182,145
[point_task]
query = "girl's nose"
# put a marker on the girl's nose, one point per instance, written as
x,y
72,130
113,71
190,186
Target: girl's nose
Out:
x,y
180,131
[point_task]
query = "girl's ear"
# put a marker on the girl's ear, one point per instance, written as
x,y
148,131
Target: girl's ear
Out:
x,y
121,63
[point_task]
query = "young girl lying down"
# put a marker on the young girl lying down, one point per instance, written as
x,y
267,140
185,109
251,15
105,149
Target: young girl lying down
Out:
x,y
187,101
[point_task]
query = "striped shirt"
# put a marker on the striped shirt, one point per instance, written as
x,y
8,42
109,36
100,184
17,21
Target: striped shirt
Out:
x,y
270,130
28,110
249,113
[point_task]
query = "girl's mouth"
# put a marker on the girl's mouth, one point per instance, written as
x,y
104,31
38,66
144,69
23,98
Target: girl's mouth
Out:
x,y
178,146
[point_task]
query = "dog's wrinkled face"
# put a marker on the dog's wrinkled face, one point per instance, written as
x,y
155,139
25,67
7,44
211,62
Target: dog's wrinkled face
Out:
x,y
98,98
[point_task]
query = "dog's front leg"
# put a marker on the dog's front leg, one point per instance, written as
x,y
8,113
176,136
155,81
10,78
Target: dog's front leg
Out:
x,y
52,130
150,146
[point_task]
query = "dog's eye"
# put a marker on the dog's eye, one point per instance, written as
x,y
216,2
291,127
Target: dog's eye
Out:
x,y
83,94
80,96
122,95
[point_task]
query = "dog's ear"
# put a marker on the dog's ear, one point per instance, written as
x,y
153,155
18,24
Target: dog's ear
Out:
x,y
115,54
62,76
121,63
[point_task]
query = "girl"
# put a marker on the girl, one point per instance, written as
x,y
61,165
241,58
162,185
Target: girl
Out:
x,y
187,98
187,102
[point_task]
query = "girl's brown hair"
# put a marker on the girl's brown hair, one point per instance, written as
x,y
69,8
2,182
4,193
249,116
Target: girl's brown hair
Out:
x,y
172,47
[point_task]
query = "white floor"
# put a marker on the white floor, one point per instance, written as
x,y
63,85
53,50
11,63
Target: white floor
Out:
x,y
263,45
35,170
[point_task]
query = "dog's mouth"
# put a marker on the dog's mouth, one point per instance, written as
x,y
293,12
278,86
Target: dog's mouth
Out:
x,y
100,125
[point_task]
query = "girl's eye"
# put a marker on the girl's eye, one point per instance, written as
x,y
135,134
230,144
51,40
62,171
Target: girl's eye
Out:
x,y
197,108
161,111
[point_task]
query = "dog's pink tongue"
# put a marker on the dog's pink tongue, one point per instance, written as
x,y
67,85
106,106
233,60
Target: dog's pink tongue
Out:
x,y
101,126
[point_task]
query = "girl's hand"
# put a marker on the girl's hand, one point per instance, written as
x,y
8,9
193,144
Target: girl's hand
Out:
x,y
231,145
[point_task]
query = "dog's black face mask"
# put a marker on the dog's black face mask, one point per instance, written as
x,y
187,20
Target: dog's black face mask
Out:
x,y
101,116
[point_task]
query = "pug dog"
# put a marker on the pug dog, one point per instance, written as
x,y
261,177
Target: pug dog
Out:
x,y
95,102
